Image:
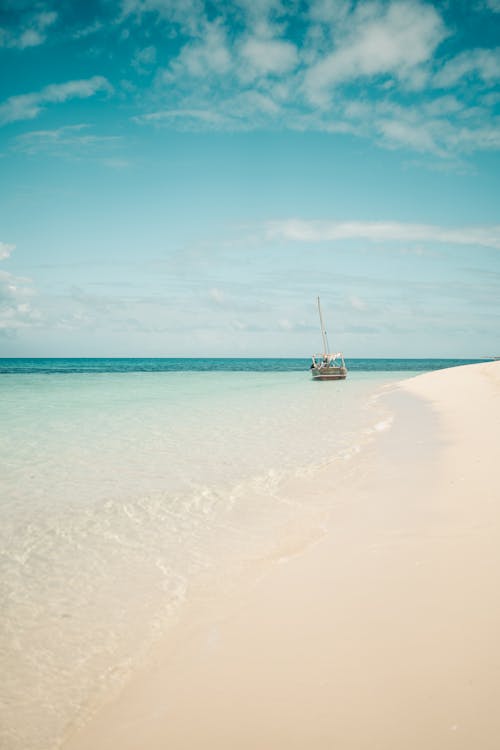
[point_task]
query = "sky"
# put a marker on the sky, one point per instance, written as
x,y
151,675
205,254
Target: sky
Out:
x,y
184,177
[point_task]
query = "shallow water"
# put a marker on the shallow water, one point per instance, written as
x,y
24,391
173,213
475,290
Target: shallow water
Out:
x,y
119,489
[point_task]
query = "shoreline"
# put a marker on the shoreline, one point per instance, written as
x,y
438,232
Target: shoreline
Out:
x,y
380,633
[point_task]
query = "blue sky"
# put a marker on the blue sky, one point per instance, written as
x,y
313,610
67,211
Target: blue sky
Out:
x,y
183,178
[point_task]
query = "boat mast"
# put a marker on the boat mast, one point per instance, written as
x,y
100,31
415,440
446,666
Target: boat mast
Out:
x,y
323,330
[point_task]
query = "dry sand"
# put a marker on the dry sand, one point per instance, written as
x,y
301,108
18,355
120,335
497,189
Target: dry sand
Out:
x,y
382,634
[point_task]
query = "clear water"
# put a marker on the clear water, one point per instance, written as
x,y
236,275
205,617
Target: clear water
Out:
x,y
172,364
122,481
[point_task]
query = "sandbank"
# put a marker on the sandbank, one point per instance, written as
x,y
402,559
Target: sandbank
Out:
x,y
376,630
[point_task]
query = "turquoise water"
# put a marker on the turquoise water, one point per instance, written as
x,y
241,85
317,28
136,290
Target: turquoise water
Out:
x,y
123,482
172,364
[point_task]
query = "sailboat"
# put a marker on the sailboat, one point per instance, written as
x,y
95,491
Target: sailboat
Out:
x,y
327,366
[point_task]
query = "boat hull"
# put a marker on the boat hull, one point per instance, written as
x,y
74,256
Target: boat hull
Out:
x,y
329,373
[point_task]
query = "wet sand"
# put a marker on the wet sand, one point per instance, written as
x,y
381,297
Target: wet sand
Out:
x,y
377,628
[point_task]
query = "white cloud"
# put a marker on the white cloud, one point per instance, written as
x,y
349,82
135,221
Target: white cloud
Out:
x,y
400,133
244,111
29,106
217,297
5,250
205,116
351,74
443,126
15,309
89,30
73,142
298,230
187,14
31,34
483,63
254,101
442,105
206,55
144,59
485,137
357,303
67,137
394,39
268,56
326,11
258,13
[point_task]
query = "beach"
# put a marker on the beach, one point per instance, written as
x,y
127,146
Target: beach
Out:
x,y
374,627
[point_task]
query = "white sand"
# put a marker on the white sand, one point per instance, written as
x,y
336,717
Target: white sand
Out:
x,y
384,634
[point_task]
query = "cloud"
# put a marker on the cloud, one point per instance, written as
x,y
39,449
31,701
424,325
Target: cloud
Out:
x,y
245,111
329,12
87,31
217,297
357,303
374,69
69,140
144,59
298,230
15,292
481,63
29,106
400,133
371,69
5,250
442,126
206,117
187,14
260,9
206,55
31,33
493,5
268,56
394,39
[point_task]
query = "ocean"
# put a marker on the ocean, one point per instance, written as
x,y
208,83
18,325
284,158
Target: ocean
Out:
x,y
125,482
